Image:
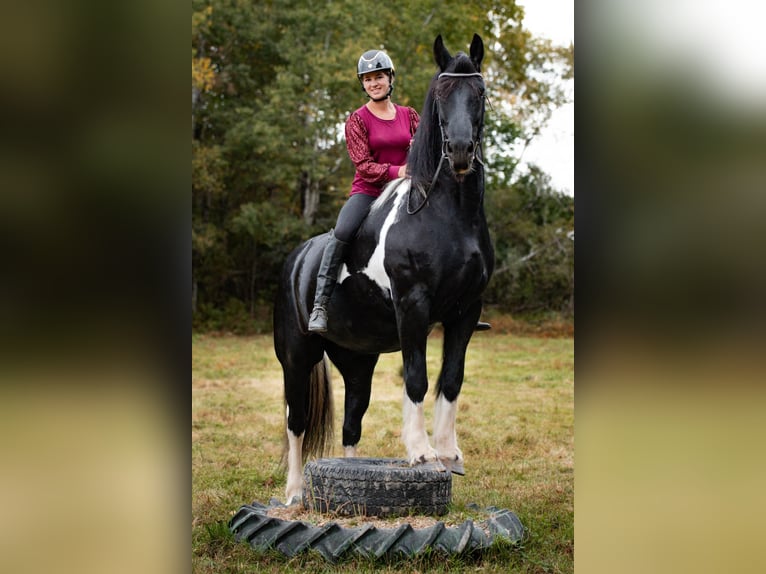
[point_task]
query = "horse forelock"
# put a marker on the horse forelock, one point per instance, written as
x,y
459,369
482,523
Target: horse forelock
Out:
x,y
460,64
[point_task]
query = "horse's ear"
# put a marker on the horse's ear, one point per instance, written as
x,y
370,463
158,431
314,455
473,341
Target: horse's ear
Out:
x,y
441,55
477,51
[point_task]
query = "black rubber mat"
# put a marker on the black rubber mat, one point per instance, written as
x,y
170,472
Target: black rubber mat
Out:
x,y
252,524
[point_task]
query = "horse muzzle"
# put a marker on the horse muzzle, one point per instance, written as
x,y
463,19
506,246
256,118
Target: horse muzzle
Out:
x,y
461,156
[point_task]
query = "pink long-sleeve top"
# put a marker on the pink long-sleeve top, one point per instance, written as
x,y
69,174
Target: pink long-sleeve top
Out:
x,y
378,147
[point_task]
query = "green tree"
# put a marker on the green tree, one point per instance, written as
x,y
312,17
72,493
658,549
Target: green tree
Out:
x,y
533,231
272,85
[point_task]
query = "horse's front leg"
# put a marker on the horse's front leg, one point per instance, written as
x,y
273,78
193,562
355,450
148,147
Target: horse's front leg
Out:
x,y
457,334
412,319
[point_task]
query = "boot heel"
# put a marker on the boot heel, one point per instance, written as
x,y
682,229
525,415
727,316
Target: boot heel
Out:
x,y
318,321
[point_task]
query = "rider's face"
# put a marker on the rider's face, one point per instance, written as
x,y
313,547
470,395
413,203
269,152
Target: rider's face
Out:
x,y
376,83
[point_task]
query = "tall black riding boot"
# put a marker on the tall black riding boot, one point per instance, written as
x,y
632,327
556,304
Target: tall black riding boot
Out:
x,y
326,279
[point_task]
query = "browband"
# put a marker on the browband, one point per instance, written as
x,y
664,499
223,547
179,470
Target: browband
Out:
x,y
454,74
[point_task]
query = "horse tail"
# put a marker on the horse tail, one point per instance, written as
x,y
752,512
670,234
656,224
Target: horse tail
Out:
x,y
319,421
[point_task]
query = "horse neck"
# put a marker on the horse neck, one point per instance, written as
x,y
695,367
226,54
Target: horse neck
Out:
x,y
466,197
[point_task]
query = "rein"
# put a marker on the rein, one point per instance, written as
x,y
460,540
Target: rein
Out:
x,y
445,142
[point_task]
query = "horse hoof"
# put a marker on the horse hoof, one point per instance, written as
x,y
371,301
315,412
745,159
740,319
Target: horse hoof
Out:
x,y
434,464
294,498
423,459
454,466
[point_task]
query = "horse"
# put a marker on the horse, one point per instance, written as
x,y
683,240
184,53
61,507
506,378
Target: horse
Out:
x,y
422,256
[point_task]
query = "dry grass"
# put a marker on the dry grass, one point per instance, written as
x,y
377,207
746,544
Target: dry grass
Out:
x,y
515,427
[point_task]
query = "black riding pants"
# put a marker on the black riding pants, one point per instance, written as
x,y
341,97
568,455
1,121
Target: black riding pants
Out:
x,y
351,215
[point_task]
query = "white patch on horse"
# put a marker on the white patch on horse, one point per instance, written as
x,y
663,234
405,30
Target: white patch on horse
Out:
x,y
391,187
400,186
414,435
294,466
343,273
445,435
349,451
374,269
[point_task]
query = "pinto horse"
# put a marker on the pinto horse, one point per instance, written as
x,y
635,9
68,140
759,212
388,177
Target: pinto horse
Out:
x,y
422,256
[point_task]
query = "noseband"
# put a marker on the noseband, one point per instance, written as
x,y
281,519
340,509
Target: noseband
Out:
x,y
445,144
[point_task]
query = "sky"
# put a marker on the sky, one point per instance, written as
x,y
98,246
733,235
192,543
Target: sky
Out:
x,y
721,40
553,149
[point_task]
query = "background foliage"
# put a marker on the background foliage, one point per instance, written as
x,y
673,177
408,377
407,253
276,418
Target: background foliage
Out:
x,y
272,85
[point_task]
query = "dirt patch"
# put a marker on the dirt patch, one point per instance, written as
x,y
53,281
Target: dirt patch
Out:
x,y
297,513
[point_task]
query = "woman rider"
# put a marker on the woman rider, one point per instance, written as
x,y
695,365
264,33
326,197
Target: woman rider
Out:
x,y
378,138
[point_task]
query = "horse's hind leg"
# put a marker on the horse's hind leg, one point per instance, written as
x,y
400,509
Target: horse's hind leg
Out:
x,y
357,370
301,364
296,397
457,334
294,486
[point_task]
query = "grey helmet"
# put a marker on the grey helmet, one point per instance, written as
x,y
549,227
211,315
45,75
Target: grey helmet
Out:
x,y
373,60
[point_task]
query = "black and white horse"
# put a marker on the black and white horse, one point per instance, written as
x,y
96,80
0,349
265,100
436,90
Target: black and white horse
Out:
x,y
422,256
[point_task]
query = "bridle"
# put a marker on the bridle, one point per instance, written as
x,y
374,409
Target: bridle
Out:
x,y
477,149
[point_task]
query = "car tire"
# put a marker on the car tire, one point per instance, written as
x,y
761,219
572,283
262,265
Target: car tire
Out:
x,y
376,487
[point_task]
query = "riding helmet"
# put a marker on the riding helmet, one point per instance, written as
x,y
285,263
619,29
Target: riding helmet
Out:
x,y
373,60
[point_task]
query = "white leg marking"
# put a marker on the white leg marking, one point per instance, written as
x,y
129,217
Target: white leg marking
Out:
x,y
414,433
294,467
445,434
350,451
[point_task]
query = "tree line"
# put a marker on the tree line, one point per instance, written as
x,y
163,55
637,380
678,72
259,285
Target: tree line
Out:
x,y
272,85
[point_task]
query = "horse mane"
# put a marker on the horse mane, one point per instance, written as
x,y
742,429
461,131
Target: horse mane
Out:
x,y
426,147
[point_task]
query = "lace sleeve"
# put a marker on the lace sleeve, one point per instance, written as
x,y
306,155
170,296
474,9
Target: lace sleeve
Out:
x,y
359,152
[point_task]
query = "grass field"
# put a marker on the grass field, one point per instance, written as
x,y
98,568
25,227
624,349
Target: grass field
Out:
x,y
515,427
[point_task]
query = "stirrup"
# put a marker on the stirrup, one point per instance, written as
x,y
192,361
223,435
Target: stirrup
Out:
x,y
318,320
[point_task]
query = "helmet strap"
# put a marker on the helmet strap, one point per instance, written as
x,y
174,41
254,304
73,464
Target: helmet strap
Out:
x,y
384,98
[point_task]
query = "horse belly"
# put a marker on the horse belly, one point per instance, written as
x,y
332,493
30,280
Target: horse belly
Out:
x,y
362,317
